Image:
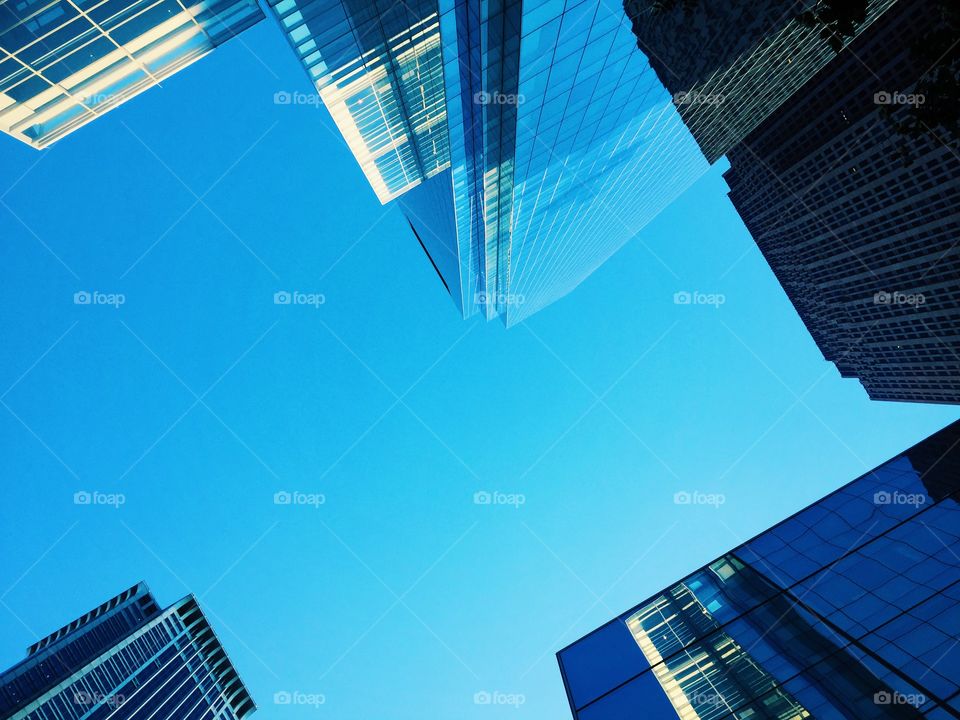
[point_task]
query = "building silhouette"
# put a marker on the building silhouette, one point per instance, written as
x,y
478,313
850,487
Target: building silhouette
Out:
x,y
730,65
852,192
849,609
127,658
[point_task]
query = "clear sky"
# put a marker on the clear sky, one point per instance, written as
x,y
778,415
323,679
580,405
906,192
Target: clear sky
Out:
x,y
198,399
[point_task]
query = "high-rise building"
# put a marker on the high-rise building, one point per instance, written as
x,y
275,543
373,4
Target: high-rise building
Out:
x,y
848,610
525,142
729,65
852,192
64,63
127,658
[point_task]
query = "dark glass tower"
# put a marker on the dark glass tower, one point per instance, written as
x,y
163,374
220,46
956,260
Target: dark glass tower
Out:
x,y
852,193
729,65
127,658
848,610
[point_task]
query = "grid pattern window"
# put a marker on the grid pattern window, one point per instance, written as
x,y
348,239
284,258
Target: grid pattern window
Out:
x,y
131,661
561,143
849,609
460,33
712,678
600,149
730,66
563,146
64,63
858,220
378,68
74,645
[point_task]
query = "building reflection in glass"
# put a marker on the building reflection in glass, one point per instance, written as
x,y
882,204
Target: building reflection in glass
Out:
x,y
709,679
848,610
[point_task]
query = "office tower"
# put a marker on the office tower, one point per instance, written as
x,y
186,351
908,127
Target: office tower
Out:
x,y
64,63
852,192
127,658
524,142
849,610
729,64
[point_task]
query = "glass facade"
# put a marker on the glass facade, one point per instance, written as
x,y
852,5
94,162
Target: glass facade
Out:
x,y
125,659
64,63
377,67
563,146
600,150
857,218
729,65
848,610
529,140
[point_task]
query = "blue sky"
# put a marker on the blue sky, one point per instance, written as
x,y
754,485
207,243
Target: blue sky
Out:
x,y
198,399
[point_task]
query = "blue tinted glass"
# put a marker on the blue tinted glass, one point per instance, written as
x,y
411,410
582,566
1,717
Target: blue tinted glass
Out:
x,y
624,702
850,609
600,662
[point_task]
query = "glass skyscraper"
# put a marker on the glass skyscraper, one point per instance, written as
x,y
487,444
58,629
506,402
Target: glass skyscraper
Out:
x,y
851,190
64,63
127,658
848,610
525,141
731,64
377,66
